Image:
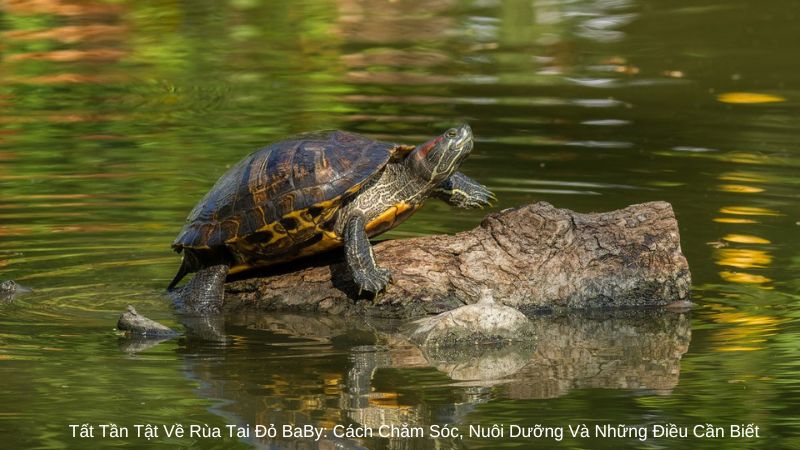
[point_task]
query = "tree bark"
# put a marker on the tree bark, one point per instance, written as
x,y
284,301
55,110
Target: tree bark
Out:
x,y
535,257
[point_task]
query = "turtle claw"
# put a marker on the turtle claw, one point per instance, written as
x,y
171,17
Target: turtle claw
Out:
x,y
479,198
372,280
486,197
476,196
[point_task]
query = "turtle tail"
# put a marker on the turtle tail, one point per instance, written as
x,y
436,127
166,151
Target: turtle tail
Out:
x,y
194,260
182,271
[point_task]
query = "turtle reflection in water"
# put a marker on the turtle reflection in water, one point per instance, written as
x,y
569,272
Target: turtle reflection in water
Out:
x,y
315,192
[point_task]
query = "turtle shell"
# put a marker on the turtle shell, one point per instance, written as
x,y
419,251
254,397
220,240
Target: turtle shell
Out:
x,y
283,197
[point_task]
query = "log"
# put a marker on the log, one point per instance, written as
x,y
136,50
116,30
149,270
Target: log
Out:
x,y
534,258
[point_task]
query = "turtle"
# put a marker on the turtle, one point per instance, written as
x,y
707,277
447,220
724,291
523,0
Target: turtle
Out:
x,y
312,193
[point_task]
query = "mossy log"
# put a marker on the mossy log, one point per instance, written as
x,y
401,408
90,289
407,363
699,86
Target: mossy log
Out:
x,y
535,257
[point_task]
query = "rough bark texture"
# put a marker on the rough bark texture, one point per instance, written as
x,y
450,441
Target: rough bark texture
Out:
x,y
536,257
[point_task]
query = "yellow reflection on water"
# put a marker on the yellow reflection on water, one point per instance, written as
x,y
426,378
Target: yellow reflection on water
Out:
x,y
747,158
746,239
733,220
747,331
748,211
386,400
740,188
748,98
742,277
743,258
743,177
332,385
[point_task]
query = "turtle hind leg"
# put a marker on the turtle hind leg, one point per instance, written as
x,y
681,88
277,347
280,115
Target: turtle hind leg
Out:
x,y
367,275
205,292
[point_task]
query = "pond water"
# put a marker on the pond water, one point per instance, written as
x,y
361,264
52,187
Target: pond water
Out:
x,y
116,117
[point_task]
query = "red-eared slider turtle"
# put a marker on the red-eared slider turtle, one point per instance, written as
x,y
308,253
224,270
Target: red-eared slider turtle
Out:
x,y
315,192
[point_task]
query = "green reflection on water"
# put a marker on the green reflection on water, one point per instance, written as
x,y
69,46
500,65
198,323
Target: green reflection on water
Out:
x,y
116,117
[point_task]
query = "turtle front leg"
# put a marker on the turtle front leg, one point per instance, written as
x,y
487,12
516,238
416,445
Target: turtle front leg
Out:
x,y
204,293
462,191
358,253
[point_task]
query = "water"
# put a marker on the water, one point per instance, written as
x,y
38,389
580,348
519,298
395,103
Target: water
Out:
x,y
115,118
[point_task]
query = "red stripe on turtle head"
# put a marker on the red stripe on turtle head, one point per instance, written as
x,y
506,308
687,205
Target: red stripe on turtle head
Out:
x,y
423,150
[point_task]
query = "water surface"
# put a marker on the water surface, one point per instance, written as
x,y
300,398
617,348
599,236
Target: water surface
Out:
x,y
116,117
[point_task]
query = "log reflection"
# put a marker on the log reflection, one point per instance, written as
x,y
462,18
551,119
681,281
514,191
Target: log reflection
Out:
x,y
328,370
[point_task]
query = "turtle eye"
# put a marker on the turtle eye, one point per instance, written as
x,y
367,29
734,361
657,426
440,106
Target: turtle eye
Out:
x,y
452,132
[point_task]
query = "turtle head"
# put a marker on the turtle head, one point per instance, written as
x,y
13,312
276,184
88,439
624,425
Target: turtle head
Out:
x,y
440,157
